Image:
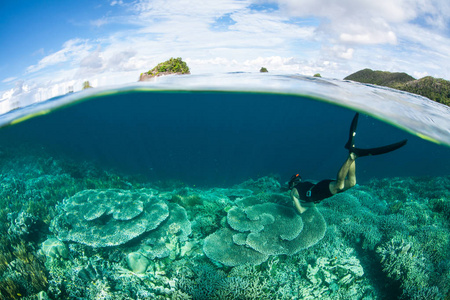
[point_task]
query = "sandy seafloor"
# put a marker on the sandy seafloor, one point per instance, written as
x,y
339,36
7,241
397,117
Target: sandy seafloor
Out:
x,y
386,239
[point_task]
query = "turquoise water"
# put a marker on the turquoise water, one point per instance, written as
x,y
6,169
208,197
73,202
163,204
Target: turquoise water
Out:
x,y
176,189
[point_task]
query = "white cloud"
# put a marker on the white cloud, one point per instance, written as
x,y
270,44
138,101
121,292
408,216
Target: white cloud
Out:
x,y
274,64
40,52
337,52
419,75
195,9
391,10
72,50
123,61
435,13
93,60
354,22
9,79
366,21
393,35
91,64
347,54
99,22
375,37
113,3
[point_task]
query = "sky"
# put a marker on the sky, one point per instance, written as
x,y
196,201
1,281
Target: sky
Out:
x,y
50,47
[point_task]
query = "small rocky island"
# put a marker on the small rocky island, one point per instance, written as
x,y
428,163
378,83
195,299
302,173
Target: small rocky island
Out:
x,y
170,67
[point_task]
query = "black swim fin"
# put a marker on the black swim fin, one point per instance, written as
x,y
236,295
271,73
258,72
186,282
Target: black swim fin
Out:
x,y
351,140
379,150
350,145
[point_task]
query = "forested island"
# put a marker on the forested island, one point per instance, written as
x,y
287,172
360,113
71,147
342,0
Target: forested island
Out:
x,y
169,67
436,89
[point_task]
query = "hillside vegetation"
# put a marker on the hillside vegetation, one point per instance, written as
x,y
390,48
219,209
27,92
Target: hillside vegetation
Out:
x,y
435,89
169,67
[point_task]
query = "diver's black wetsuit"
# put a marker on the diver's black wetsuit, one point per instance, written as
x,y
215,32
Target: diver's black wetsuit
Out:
x,y
310,192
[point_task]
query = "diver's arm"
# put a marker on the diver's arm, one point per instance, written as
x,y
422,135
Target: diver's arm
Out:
x,y
295,196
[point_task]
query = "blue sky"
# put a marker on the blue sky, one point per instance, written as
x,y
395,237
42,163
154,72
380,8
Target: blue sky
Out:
x,y
49,46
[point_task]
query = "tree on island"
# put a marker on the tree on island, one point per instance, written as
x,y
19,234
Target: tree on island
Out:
x,y
171,66
317,75
263,70
86,85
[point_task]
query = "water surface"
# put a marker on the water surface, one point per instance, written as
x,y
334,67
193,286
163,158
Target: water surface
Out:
x,y
193,150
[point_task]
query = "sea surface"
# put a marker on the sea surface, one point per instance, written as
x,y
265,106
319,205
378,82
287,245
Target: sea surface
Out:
x,y
177,189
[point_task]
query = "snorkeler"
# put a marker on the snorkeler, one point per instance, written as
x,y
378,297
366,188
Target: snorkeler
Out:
x,y
306,194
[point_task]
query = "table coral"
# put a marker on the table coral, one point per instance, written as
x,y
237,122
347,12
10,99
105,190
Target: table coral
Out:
x,y
101,218
55,248
260,230
167,239
220,246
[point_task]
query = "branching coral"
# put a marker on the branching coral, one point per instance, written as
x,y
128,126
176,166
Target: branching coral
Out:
x,y
205,282
268,184
402,260
24,273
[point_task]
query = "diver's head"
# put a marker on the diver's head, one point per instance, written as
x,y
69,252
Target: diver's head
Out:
x,y
295,179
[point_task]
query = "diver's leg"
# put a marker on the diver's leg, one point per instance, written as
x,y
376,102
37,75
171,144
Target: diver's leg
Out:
x,y
339,183
351,177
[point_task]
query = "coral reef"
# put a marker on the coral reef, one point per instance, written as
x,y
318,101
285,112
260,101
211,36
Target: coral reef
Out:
x,y
102,218
260,230
267,184
203,281
119,237
222,246
168,238
396,220
54,248
22,271
22,224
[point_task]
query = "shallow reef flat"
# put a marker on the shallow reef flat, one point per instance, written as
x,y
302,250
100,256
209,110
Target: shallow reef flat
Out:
x,y
77,231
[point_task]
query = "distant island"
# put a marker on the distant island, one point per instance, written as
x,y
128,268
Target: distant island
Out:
x,y
169,67
435,89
